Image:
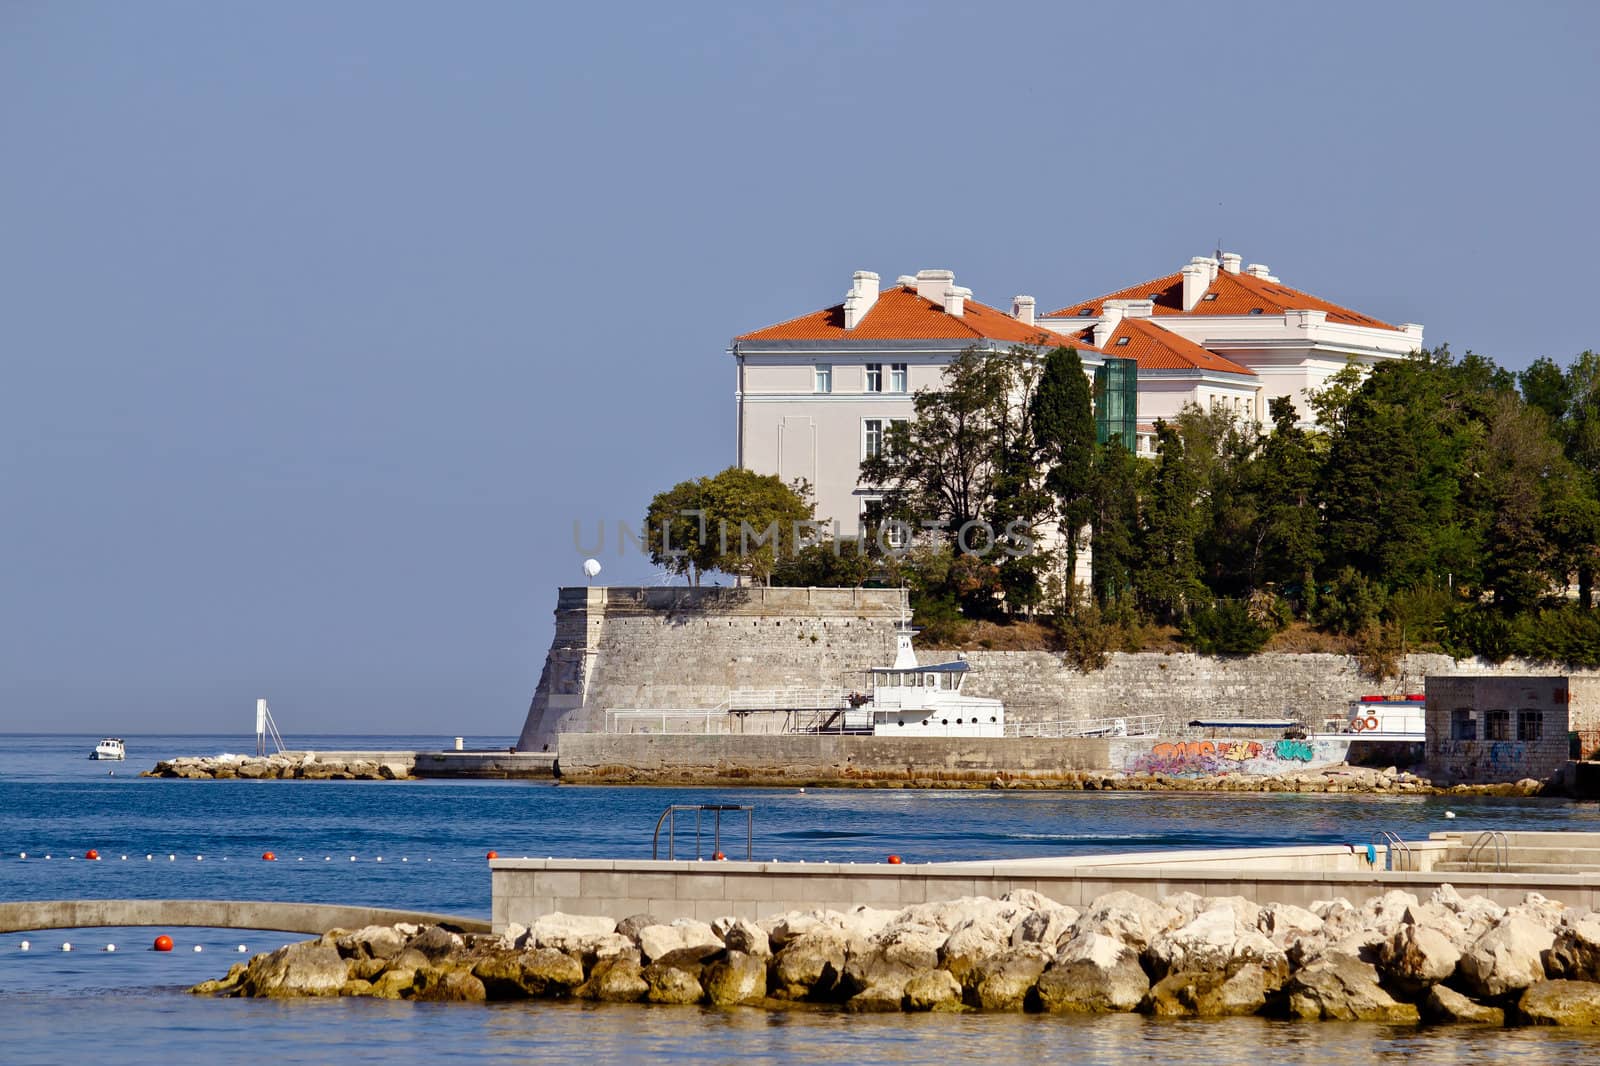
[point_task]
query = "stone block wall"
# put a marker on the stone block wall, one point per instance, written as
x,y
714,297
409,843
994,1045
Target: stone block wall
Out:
x,y
1516,752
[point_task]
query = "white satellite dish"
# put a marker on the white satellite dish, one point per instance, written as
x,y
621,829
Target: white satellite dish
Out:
x,y
591,567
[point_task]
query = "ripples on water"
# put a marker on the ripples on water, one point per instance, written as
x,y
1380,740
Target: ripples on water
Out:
x,y
54,801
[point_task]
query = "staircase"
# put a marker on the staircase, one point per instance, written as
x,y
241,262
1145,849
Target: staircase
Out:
x,y
1493,851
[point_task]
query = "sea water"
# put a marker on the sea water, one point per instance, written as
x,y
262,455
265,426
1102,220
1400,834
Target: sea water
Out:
x,y
422,845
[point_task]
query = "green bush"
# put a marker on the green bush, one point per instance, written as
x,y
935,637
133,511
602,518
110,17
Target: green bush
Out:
x,y
1225,628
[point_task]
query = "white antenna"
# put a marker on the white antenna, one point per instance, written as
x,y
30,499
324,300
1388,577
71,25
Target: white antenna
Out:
x,y
266,729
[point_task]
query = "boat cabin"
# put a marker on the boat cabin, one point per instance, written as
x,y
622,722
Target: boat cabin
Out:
x,y
909,699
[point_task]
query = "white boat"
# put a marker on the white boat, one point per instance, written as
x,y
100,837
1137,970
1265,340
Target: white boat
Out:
x,y
910,700
109,748
1384,718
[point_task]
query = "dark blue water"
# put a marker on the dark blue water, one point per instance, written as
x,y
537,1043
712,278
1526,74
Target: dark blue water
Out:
x,y
421,845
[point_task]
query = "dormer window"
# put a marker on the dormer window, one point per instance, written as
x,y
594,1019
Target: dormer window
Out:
x,y
1087,312
1122,341
1209,296
1255,310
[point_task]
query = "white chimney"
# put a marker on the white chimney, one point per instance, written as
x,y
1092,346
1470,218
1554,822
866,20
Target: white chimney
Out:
x,y
1106,325
1412,330
1196,280
1231,261
859,300
955,300
934,284
1022,309
907,280
1134,308
1209,265
1258,270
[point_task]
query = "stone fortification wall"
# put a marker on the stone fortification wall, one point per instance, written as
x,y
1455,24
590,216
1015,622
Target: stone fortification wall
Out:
x,y
684,648
698,648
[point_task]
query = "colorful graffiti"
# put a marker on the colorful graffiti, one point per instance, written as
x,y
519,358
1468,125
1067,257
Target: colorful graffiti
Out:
x,y
1494,760
1206,758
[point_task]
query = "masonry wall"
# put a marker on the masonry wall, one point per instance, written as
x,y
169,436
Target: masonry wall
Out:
x,y
681,648
1486,758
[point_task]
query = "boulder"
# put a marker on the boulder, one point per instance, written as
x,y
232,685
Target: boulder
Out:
x,y
935,990
435,943
1575,953
1540,910
308,968
1342,988
1445,1004
371,942
1418,957
1507,958
591,949
741,934
736,978
974,940
863,923
228,984
1560,1003
667,983
658,941
393,983
810,966
1218,940
1284,923
1124,916
630,926
448,984
1093,973
565,932
1046,926
616,979
541,973
1006,981
1208,994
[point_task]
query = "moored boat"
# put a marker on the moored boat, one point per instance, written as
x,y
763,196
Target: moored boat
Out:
x,y
109,748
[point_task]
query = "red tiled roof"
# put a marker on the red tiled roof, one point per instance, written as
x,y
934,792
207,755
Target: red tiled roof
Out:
x,y
1236,294
901,315
1160,349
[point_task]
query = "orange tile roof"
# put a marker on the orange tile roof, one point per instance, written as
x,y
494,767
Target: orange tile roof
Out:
x,y
1160,349
1236,294
901,315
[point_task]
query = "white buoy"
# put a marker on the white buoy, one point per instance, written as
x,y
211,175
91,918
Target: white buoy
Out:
x,y
47,856
172,858
124,858
243,949
198,858
23,855
110,948
197,947
378,859
352,858
66,947
25,945
148,858
404,859
1449,814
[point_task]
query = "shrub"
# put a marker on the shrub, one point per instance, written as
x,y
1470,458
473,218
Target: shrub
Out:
x,y
1225,628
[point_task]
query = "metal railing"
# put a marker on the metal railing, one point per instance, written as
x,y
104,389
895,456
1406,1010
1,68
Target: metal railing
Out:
x,y
669,817
668,720
1397,853
1129,725
1498,845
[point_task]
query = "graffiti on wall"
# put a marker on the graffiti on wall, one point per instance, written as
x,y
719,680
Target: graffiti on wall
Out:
x,y
1487,760
1206,758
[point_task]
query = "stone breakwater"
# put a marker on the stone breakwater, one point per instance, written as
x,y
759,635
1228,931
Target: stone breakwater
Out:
x,y
1393,958
297,765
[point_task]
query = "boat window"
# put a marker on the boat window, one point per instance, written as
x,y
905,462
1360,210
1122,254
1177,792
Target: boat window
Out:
x,y
1530,724
932,681
1463,726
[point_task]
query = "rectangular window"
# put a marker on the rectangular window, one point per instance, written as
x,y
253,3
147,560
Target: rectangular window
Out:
x,y
871,438
824,382
1463,726
1497,725
897,377
1530,725
874,377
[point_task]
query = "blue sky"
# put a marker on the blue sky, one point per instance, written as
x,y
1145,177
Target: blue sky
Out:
x,y
323,323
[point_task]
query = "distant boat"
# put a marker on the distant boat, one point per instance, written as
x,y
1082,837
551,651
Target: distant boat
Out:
x,y
109,748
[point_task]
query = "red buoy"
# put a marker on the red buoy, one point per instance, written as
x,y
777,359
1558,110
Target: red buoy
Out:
x,y
91,855
163,943
719,857
894,860
267,856
492,855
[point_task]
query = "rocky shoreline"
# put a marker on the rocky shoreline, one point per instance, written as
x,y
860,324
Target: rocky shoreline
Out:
x,y
1393,958
314,766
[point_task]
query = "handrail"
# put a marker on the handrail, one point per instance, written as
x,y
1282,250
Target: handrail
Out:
x,y
1397,853
1499,841
1128,725
670,817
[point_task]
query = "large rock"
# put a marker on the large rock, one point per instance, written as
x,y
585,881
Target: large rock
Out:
x,y
935,990
1124,916
228,984
1561,1003
541,973
876,971
1218,940
565,932
1445,1004
1506,958
394,983
371,942
1049,927
436,943
659,941
1342,988
741,934
736,978
810,966
308,968
1093,973
670,984
448,984
615,980
1418,957
973,941
1284,923
1006,981
1209,994
630,926
1575,953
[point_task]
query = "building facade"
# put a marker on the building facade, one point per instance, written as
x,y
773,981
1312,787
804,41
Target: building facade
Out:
x,y
1490,728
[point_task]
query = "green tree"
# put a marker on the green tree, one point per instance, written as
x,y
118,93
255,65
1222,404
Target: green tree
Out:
x,y
1284,481
1063,428
1168,576
1114,522
738,522
675,530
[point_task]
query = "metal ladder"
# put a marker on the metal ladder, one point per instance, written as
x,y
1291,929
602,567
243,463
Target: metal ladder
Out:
x,y
1397,853
669,818
1495,841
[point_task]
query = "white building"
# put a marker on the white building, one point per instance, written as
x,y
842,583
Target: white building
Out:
x,y
815,394
1290,341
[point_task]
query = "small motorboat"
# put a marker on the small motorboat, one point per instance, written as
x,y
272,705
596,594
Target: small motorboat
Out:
x,y
109,748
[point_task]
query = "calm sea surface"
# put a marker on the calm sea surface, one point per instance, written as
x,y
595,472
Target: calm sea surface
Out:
x,y
421,845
